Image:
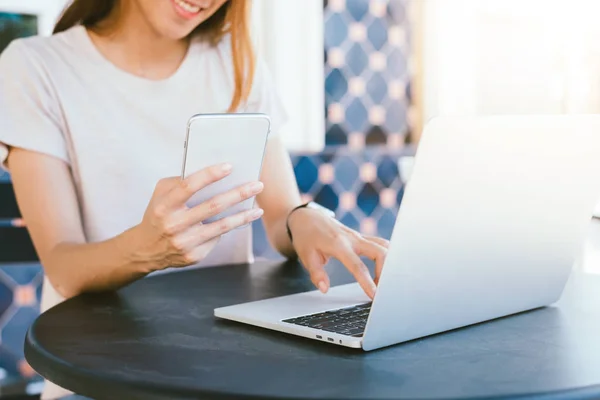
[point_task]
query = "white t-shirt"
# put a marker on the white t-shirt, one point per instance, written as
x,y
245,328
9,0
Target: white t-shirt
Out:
x,y
118,132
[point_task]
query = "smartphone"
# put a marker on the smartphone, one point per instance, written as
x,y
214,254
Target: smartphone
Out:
x,y
238,139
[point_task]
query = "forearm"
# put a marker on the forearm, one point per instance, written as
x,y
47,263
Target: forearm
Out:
x,y
74,268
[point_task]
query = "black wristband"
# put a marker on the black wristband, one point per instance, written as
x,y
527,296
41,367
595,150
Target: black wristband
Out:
x,y
287,220
311,205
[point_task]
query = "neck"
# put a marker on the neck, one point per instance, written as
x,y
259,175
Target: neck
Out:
x,y
135,44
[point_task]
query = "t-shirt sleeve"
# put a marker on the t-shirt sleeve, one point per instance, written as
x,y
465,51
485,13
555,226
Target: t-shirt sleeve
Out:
x,y
29,112
265,98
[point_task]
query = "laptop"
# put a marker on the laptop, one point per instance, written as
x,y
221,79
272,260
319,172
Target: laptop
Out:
x,y
491,223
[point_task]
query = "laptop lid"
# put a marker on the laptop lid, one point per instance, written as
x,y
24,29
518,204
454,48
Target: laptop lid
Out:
x,y
490,224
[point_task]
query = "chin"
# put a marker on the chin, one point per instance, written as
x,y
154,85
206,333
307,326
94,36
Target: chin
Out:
x,y
176,32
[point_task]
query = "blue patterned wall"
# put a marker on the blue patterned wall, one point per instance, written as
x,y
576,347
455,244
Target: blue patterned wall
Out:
x,y
20,291
367,84
367,87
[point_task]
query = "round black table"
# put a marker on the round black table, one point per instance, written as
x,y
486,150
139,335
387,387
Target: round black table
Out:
x,y
158,339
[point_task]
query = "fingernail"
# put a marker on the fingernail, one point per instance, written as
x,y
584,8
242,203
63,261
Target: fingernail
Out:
x,y
373,290
256,213
256,187
227,167
322,287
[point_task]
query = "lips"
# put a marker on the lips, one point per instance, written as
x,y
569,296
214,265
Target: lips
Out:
x,y
186,9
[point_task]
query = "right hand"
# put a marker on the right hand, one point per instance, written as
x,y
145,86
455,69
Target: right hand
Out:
x,y
173,235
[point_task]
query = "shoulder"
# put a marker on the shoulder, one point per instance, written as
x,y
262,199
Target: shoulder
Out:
x,y
37,51
15,53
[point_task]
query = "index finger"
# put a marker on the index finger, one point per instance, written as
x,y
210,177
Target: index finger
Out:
x,y
376,252
189,185
357,268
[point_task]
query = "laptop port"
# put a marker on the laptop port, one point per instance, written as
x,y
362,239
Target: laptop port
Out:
x,y
330,339
319,337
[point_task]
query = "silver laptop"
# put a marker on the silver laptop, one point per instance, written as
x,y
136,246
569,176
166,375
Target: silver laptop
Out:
x,y
492,220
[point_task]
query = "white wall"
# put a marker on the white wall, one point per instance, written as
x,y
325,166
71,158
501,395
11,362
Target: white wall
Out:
x,y
289,36
47,10
511,57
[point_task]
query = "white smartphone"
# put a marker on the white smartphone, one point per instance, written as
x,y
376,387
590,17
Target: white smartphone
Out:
x,y
238,139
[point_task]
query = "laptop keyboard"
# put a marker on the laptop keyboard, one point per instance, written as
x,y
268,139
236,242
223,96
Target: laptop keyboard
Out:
x,y
348,321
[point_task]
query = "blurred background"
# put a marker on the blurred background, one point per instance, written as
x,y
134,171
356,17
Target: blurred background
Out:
x,y
360,79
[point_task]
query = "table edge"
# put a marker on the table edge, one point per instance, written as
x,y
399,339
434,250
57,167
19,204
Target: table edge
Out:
x,y
53,369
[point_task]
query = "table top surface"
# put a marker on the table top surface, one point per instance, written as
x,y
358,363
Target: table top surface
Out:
x,y
158,339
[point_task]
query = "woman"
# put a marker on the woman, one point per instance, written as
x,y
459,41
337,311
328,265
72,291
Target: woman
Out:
x,y
93,119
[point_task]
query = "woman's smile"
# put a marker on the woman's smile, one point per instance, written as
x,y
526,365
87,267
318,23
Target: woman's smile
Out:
x,y
186,9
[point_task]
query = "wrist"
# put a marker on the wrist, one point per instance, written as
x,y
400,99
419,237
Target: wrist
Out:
x,y
295,218
138,251
310,210
290,221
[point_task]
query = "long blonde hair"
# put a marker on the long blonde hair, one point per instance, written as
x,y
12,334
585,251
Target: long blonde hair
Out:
x,y
232,18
